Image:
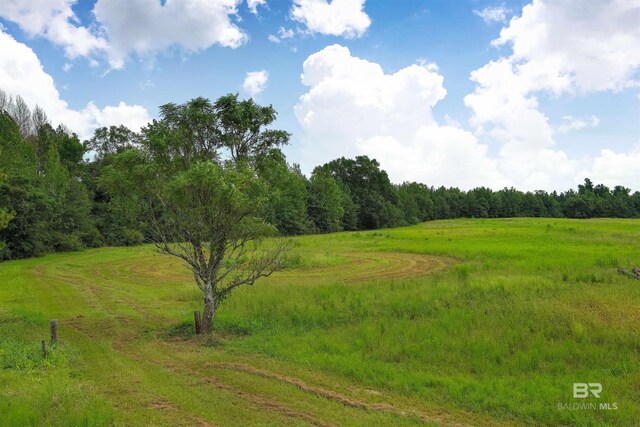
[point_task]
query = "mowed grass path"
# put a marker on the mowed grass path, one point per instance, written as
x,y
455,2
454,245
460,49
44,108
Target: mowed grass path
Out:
x,y
470,322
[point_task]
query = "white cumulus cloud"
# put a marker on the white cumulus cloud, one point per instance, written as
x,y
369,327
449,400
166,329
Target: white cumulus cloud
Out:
x,y
255,82
492,14
352,107
589,45
132,116
147,27
55,21
141,27
21,73
570,123
558,47
253,5
283,34
611,168
345,18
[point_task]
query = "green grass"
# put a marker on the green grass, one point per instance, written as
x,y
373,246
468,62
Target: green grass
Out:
x,y
494,331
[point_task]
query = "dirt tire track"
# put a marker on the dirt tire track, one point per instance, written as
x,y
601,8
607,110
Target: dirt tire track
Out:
x,y
332,395
265,402
163,404
256,399
378,265
374,266
361,267
370,266
401,265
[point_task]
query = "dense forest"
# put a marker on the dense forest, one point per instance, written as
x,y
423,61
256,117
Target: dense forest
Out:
x,y
58,193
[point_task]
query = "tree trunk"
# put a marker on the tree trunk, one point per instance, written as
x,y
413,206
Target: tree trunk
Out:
x,y
208,314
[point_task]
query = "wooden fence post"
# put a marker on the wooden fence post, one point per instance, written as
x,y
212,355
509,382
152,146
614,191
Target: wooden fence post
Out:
x,y
54,332
196,315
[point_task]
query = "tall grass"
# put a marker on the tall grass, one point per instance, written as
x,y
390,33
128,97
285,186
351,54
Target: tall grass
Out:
x,y
524,309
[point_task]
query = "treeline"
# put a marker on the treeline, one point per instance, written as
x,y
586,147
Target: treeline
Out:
x,y
370,200
57,193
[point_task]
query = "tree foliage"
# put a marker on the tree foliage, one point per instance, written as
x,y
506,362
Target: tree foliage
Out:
x,y
209,212
286,207
42,191
57,193
375,198
325,202
242,132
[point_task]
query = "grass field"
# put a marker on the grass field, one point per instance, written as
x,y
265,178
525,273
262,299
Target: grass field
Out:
x,y
469,322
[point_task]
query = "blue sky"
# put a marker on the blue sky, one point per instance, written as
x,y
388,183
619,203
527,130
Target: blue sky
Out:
x,y
535,95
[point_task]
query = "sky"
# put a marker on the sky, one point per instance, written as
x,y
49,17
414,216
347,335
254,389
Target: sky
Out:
x,y
531,94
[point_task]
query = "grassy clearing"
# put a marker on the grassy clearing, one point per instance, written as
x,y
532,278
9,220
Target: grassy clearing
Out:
x,y
482,322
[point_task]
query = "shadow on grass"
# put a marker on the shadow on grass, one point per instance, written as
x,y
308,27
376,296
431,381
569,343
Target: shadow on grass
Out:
x,y
185,332
181,332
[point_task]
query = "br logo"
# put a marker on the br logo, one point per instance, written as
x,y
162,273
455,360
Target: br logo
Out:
x,y
582,390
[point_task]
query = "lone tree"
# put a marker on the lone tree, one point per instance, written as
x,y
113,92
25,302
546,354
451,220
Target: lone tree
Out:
x,y
201,208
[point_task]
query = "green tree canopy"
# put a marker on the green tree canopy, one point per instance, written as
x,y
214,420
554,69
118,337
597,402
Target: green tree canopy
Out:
x,y
325,204
371,191
208,212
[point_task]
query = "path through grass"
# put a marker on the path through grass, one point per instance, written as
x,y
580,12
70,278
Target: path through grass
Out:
x,y
469,322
